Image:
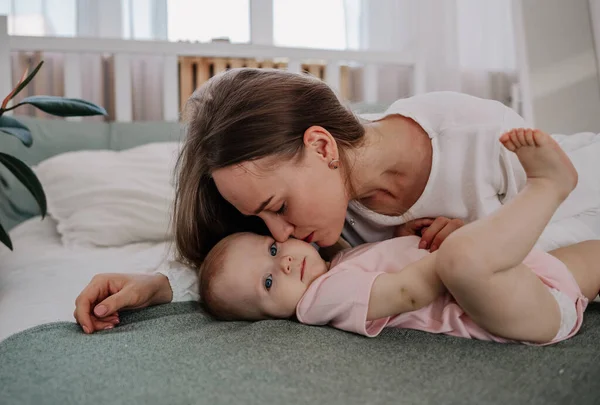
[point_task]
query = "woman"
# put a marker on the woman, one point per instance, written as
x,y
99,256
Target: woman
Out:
x,y
279,147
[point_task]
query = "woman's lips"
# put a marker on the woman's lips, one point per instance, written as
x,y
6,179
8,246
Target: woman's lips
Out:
x,y
309,238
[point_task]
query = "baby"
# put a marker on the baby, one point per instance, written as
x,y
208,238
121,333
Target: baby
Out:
x,y
485,282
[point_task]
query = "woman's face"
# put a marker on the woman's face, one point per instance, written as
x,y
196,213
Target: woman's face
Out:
x,y
301,198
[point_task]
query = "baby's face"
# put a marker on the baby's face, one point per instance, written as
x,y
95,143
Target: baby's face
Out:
x,y
267,278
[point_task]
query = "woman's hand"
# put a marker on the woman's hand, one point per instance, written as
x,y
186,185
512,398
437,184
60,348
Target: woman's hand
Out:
x,y
433,231
97,306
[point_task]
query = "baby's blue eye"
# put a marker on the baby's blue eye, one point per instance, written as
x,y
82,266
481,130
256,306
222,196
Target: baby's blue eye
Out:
x,y
269,282
273,249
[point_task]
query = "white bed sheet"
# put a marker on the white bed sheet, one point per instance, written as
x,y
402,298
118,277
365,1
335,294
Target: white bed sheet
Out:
x,y
41,278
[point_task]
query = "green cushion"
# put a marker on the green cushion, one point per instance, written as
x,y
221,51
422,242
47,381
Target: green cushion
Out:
x,y
52,137
128,135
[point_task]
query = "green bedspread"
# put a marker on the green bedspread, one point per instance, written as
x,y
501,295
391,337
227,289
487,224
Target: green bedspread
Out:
x,y
174,354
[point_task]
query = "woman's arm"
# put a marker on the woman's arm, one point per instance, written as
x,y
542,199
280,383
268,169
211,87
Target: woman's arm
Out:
x,y
416,286
183,280
97,306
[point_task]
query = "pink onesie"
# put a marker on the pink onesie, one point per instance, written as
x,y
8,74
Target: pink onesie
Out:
x,y
341,296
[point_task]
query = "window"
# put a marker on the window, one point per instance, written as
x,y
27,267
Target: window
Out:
x,y
309,24
40,17
203,20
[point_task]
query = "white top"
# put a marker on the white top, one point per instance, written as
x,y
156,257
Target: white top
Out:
x,y
472,175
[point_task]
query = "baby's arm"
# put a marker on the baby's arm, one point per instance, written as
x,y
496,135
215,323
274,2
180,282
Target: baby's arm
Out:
x,y
416,286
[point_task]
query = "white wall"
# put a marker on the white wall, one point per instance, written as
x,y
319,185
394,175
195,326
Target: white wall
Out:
x,y
560,52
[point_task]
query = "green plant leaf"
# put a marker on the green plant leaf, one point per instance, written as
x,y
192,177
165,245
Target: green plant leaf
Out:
x,y
26,176
22,83
13,127
62,107
4,238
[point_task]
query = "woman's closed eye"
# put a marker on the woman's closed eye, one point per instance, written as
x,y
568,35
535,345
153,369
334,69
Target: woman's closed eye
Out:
x,y
281,209
269,282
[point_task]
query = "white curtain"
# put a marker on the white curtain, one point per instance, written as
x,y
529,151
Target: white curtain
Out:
x,y
466,45
130,19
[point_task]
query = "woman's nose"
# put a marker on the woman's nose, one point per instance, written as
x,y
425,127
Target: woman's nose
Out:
x,y
286,264
279,228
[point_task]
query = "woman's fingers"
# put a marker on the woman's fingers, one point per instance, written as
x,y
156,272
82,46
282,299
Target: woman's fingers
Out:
x,y
450,227
98,304
435,227
437,232
113,303
93,292
413,227
419,224
105,323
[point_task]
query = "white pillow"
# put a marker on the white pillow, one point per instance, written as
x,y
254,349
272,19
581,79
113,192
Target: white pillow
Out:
x,y
111,198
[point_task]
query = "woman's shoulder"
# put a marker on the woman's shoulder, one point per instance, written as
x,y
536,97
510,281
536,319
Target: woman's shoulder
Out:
x,y
439,99
441,112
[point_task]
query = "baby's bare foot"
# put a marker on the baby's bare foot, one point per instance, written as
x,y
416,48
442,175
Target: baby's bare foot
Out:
x,y
542,158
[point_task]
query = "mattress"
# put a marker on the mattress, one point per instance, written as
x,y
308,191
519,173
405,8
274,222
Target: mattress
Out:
x,y
40,279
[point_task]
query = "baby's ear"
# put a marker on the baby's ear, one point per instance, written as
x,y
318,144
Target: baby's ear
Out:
x,y
328,253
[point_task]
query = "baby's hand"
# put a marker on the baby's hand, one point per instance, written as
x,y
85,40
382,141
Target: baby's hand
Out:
x,y
433,231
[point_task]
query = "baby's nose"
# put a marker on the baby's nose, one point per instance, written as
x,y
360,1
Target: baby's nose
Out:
x,y
286,264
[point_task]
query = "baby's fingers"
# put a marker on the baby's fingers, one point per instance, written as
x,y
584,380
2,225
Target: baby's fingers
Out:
x,y
105,323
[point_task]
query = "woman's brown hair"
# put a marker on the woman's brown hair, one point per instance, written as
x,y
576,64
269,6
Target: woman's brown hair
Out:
x,y
243,115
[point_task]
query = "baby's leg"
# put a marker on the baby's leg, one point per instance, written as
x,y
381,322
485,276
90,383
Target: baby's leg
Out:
x,y
583,260
480,264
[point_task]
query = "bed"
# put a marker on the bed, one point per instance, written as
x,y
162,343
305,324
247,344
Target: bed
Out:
x,y
50,264
175,353
41,278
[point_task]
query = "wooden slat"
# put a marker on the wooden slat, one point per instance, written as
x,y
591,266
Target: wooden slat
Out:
x,y
22,63
170,93
294,66
314,70
58,77
345,84
186,79
220,65
267,64
108,65
281,65
73,79
123,91
236,63
40,83
251,63
332,75
202,71
370,84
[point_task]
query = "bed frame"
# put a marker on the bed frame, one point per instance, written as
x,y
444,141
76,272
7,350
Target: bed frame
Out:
x,y
187,65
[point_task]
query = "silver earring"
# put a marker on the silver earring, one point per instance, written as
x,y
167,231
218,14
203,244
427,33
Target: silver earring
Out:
x,y
334,164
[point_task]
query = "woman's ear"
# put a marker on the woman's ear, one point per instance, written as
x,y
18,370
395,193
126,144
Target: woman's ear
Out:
x,y
319,140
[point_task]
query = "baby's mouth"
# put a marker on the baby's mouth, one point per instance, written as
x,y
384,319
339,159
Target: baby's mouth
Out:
x,y
302,269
